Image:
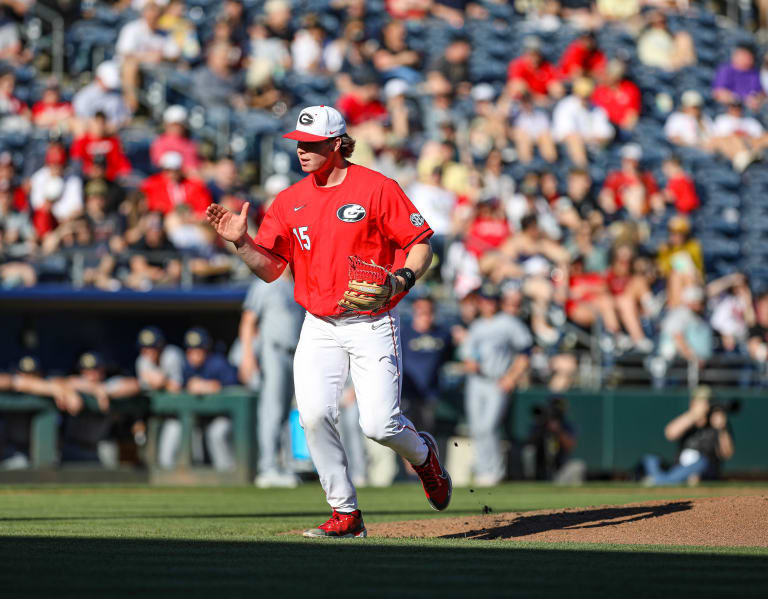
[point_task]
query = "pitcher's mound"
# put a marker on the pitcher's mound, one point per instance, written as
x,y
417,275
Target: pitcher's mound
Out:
x,y
721,521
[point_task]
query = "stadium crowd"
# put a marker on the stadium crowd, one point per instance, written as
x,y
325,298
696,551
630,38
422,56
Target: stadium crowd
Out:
x,y
593,170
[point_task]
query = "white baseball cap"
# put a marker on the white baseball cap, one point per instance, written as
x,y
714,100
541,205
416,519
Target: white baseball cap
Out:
x,y
317,123
171,161
175,115
109,74
691,98
631,152
395,87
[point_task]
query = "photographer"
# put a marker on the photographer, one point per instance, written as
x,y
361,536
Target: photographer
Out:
x,y
546,455
704,439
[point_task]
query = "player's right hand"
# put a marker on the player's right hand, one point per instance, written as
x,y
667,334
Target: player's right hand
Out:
x,y
229,225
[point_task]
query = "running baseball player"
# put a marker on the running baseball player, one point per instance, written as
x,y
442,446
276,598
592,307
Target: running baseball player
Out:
x,y
340,229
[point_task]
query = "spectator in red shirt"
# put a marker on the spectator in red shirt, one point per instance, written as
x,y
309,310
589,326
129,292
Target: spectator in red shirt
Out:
x,y
531,73
361,103
171,188
97,141
51,112
175,139
618,96
680,190
489,229
582,58
629,188
589,299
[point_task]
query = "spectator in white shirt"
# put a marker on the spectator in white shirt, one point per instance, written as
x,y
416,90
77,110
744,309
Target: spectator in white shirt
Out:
x,y
689,126
307,48
51,184
101,95
142,44
739,138
531,127
435,204
579,124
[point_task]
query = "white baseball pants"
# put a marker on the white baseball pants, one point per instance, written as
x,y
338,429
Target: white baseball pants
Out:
x,y
368,348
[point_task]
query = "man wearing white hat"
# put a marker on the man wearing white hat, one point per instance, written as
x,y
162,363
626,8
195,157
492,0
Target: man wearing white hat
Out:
x,y
171,188
333,228
689,126
174,139
102,95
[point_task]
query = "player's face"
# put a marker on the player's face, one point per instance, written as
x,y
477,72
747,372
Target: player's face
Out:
x,y
315,156
423,314
196,356
151,353
94,375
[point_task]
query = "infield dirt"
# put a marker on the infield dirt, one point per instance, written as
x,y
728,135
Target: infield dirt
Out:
x,y
711,521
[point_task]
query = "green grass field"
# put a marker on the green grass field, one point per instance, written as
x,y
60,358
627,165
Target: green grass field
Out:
x,y
226,542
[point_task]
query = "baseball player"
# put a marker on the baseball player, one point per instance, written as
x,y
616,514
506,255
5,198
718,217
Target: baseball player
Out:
x,y
339,229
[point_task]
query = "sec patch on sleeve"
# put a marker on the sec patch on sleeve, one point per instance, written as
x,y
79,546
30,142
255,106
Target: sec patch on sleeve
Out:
x,y
417,219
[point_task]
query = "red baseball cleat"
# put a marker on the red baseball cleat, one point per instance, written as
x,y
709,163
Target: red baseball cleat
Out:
x,y
435,479
340,526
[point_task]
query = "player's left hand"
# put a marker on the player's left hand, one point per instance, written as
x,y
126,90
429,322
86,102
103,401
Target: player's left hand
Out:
x,y
370,287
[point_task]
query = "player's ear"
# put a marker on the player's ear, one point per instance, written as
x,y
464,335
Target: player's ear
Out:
x,y
336,144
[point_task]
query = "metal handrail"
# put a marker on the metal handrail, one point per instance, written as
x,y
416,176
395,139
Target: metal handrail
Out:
x,y
56,22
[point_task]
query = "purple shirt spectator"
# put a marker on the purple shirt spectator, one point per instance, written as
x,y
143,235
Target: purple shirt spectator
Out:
x,y
741,83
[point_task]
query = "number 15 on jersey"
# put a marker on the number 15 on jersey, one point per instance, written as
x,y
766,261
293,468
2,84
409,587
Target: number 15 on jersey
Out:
x,y
301,235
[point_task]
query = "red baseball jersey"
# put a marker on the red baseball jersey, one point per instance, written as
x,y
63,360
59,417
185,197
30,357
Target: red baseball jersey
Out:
x,y
315,230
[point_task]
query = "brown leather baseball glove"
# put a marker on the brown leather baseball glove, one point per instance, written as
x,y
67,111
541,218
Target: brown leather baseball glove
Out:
x,y
370,286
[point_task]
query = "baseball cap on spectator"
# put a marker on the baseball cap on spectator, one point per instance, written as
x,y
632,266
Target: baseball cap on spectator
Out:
x,y
318,123
532,44
276,6
171,161
90,360
511,286
197,337
53,188
395,87
150,337
175,115
631,152
276,183
55,155
679,224
483,92
28,365
691,98
489,290
96,187
583,87
616,68
109,74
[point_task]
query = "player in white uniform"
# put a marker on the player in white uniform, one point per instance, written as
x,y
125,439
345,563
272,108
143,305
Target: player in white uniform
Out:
x,y
327,227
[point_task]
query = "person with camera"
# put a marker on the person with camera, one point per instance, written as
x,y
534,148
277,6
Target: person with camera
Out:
x,y
704,440
552,438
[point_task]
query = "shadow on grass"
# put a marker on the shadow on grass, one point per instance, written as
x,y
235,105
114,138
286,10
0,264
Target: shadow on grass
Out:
x,y
119,567
589,518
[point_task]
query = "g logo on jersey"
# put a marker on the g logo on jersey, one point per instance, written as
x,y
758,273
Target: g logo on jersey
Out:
x,y
306,119
351,213
417,219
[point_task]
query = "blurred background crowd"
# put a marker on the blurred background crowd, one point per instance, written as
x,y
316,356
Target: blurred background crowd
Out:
x,y
593,169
